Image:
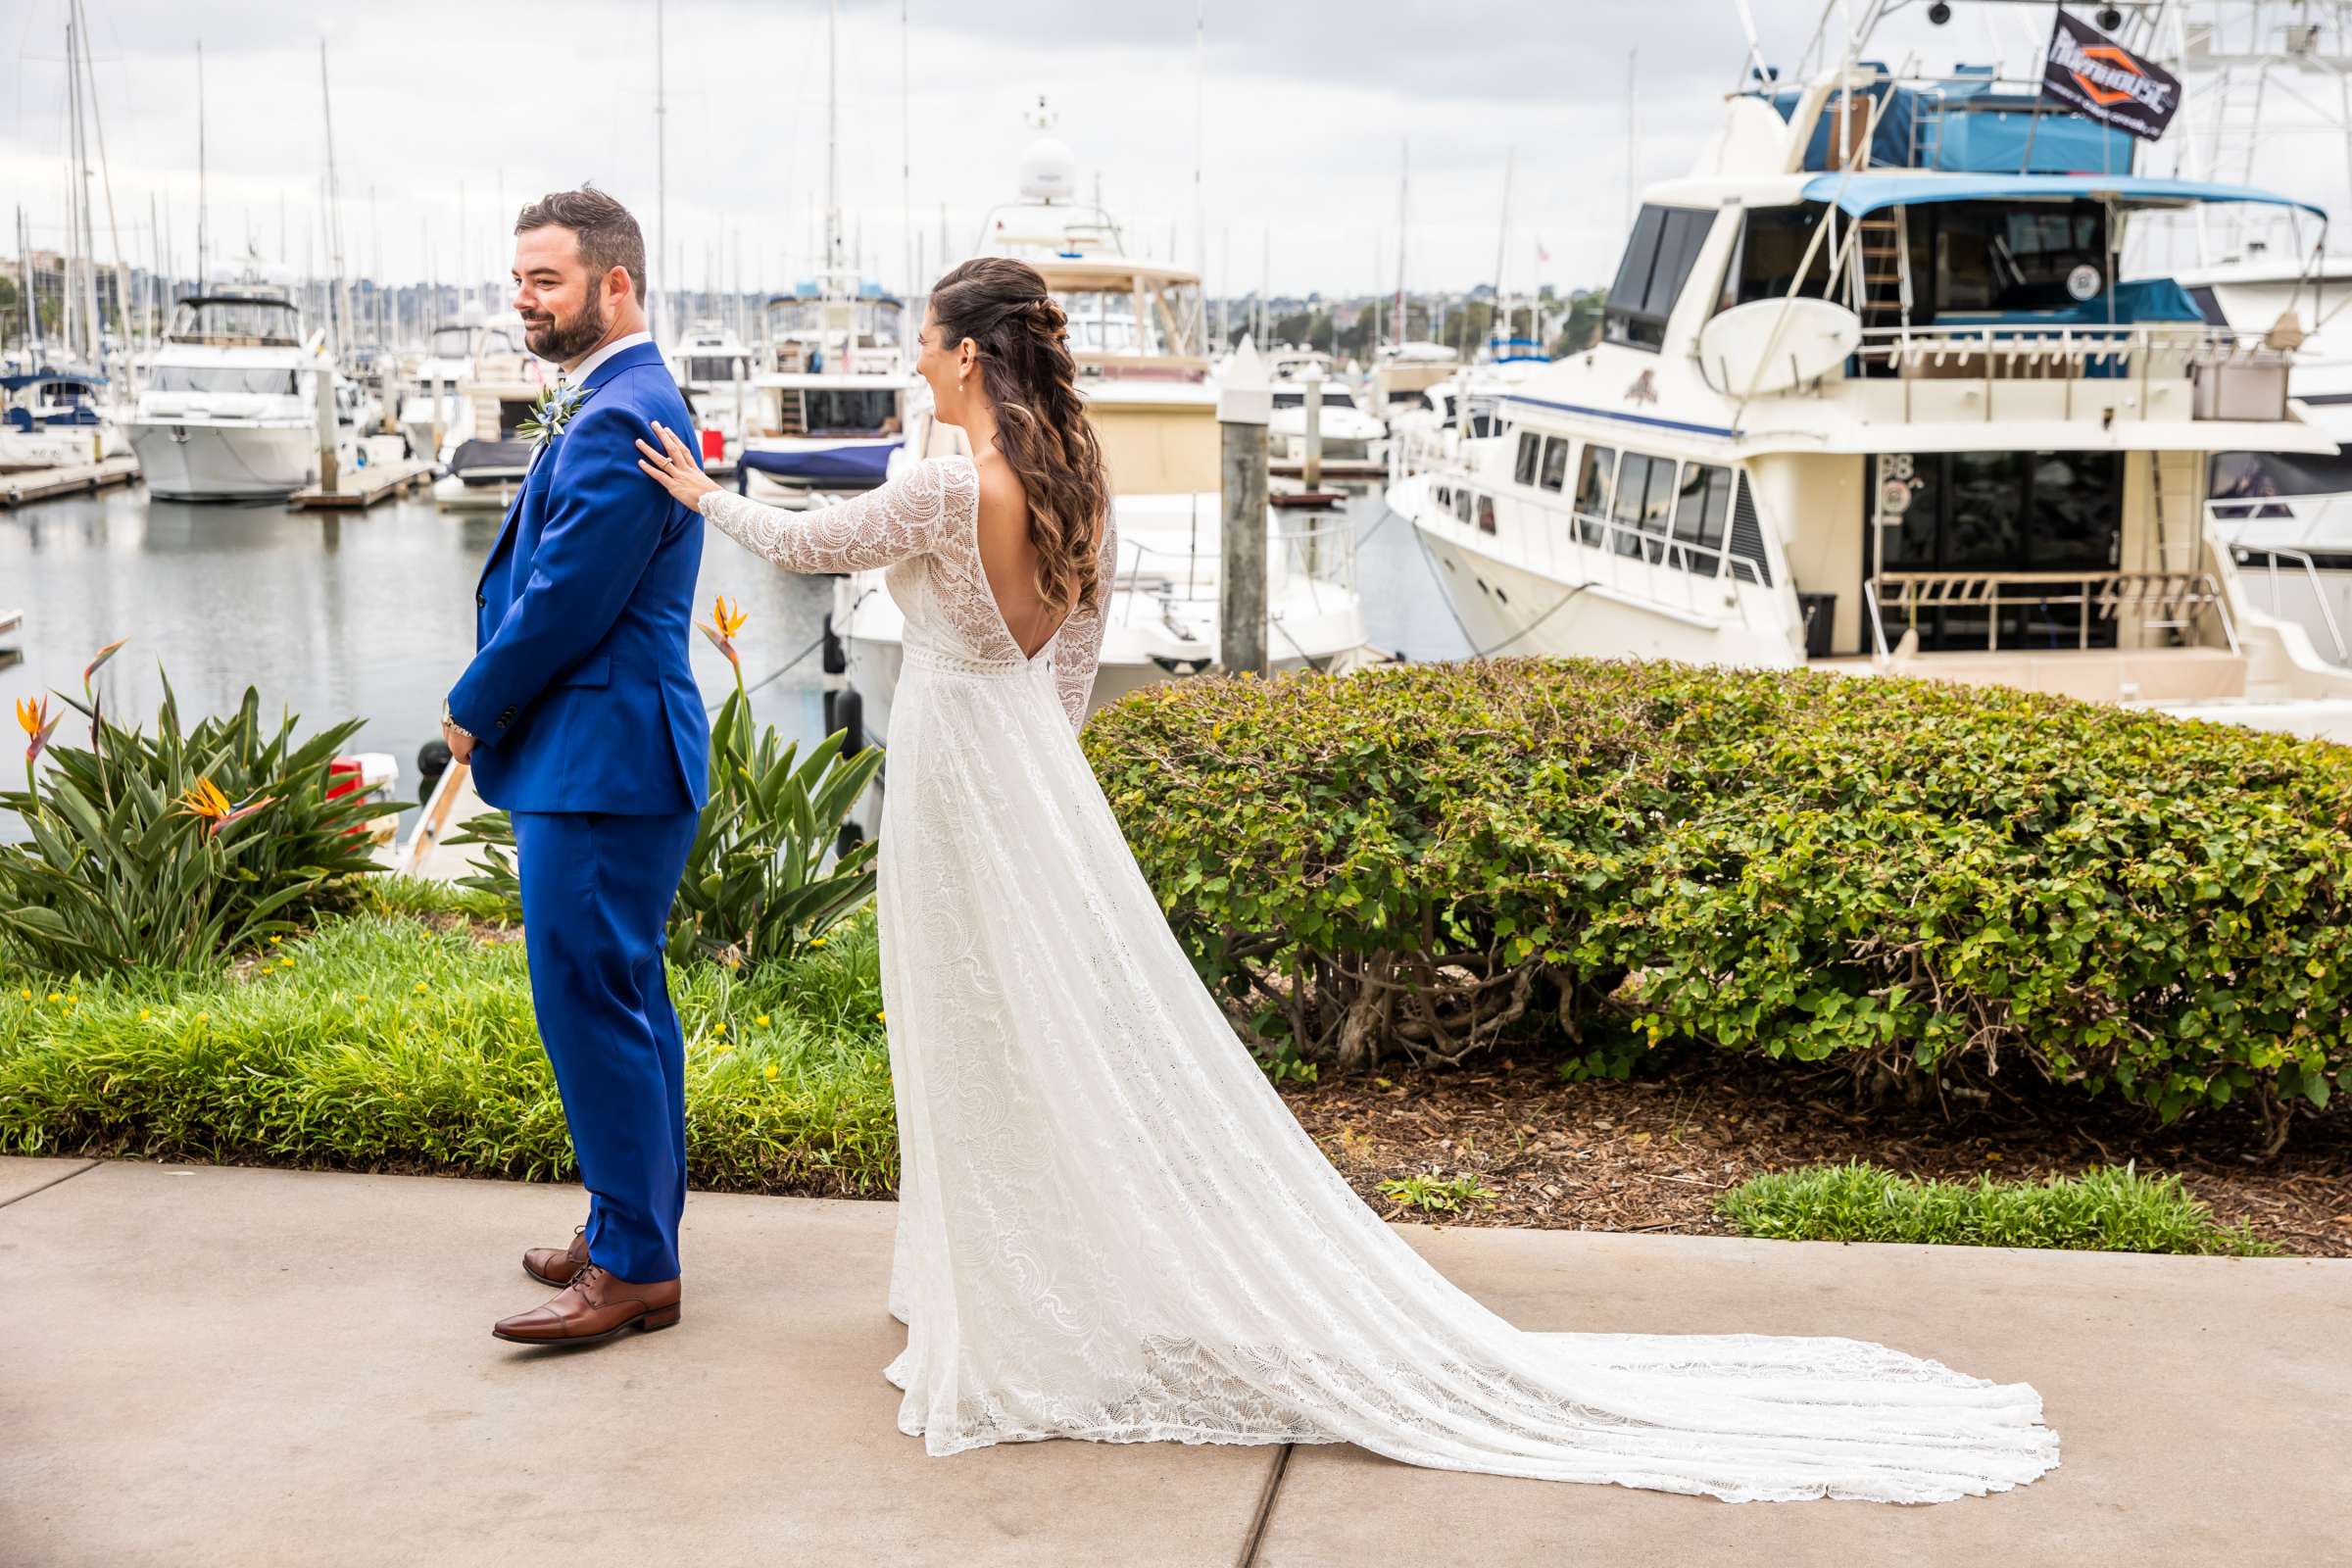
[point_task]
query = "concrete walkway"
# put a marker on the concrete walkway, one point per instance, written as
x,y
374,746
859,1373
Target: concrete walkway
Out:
x,y
205,1365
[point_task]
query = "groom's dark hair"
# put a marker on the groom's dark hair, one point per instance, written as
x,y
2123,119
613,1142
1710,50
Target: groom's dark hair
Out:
x,y
609,236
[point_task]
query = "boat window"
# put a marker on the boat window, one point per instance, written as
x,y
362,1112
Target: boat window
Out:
x,y
1289,399
1531,449
1486,513
1445,498
1555,462
1657,264
844,412
449,343
1592,492
1993,256
1634,482
1461,505
234,322
1702,511
254,380
1772,242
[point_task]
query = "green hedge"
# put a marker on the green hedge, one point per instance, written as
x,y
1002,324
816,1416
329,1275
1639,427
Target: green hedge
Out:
x,y
1905,876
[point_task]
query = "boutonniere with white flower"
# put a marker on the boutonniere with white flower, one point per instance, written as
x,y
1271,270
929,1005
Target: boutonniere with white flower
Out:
x,y
554,408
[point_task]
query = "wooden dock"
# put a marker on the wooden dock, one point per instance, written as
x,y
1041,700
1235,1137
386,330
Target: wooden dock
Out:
x,y
357,489
11,620
78,479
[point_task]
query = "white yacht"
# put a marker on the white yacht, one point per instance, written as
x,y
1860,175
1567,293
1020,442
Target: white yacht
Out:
x,y
1869,397
436,395
229,411
835,403
1348,434
1402,371
1138,335
53,419
483,456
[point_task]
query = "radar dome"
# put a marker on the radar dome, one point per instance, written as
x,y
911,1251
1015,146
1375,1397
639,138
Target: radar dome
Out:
x,y
1049,171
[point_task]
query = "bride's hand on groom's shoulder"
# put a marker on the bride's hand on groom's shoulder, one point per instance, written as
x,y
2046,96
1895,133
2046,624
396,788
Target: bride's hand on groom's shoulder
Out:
x,y
674,467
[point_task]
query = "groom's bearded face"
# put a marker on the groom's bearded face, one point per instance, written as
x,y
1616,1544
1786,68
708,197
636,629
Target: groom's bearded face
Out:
x,y
560,299
561,339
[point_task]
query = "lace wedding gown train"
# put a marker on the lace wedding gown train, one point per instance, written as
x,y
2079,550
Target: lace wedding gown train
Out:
x,y
1110,1226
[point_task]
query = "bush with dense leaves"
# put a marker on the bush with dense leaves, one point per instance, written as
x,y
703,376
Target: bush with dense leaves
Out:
x,y
163,851
1913,878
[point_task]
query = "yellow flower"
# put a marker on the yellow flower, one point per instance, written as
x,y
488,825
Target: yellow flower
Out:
x,y
882,1017
420,988
816,942
203,1017
57,996
723,1029
274,941
361,997
729,615
769,1072
25,992
761,1020
145,1013
70,999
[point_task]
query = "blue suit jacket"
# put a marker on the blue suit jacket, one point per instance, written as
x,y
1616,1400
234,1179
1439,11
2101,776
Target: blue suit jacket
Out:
x,y
580,694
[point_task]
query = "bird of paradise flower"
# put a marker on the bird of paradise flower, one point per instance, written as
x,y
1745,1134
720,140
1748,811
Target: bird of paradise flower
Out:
x,y
206,803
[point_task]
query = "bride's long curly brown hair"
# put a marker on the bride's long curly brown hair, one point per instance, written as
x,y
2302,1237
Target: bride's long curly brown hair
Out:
x,y
1022,340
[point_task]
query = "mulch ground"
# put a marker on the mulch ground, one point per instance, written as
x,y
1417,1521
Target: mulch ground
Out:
x,y
1652,1153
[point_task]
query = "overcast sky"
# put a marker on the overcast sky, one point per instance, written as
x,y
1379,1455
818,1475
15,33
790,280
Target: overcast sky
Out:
x,y
448,116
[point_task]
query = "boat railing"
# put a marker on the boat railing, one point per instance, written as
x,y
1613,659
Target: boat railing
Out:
x,y
1317,554
2230,376
2162,600
2244,555
1621,545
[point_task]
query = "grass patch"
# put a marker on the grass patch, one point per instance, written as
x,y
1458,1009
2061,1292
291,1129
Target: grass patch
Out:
x,y
425,897
386,1041
2108,1209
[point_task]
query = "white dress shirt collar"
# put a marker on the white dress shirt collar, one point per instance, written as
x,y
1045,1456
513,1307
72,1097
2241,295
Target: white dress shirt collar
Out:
x,y
578,374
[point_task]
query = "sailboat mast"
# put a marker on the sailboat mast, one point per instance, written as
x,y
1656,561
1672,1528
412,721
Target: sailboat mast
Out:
x,y
203,207
106,180
906,171
660,173
832,140
85,244
1405,185
1502,241
334,215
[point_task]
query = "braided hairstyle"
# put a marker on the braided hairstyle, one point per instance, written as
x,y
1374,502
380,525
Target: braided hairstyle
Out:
x,y
1022,339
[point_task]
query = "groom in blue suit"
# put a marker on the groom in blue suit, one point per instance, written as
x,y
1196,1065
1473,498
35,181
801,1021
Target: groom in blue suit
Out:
x,y
582,719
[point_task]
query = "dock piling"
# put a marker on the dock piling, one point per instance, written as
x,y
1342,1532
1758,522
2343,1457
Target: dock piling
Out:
x,y
1244,403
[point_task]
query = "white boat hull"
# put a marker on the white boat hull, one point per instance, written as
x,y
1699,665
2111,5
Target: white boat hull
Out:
x,y
224,462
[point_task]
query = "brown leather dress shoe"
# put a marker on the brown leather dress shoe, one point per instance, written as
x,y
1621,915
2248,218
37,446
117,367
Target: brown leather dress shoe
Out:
x,y
594,1307
557,1265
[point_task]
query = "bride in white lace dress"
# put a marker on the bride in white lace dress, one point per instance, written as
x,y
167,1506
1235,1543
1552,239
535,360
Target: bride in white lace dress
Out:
x,y
1109,1225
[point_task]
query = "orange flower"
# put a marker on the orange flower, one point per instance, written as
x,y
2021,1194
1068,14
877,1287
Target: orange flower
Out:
x,y
206,802
34,718
730,617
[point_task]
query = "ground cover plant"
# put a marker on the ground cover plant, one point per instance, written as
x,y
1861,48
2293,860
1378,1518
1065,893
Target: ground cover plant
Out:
x,y
401,1037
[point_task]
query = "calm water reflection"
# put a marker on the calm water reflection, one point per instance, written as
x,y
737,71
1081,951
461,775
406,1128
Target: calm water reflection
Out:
x,y
370,614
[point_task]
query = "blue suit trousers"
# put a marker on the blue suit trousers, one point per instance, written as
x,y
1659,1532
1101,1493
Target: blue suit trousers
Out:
x,y
597,889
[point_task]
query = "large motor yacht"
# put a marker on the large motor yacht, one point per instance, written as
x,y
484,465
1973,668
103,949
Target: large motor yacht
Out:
x,y
229,411
1870,395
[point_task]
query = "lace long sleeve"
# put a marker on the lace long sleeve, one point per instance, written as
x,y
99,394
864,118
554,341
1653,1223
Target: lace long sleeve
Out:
x,y
904,518
1080,647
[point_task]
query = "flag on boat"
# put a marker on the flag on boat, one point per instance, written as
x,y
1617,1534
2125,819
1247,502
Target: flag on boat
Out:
x,y
1541,255
2099,78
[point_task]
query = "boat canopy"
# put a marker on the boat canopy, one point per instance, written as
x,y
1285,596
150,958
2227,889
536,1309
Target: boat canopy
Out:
x,y
1859,194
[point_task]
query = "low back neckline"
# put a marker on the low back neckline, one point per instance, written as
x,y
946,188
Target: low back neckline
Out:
x,y
980,566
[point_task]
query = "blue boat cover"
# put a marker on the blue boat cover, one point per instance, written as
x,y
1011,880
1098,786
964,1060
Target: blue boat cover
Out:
x,y
858,465
1965,126
1861,193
